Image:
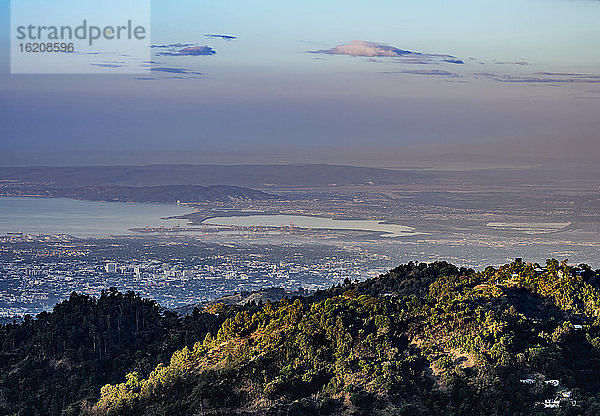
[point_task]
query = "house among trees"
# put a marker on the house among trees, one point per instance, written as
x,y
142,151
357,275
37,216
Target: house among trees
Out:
x,y
528,381
551,404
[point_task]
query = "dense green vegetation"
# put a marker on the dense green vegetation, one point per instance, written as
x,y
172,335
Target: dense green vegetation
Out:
x,y
423,339
64,356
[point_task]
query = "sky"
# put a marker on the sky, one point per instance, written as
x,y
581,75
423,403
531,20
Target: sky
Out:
x,y
378,83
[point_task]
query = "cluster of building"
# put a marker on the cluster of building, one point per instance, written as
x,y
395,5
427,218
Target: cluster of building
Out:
x,y
35,275
563,396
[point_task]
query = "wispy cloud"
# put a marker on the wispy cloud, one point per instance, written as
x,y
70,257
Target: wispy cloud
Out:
x,y
541,78
453,61
424,60
172,70
522,63
224,37
426,72
110,64
184,49
172,45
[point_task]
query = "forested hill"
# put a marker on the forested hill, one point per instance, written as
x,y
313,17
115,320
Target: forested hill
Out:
x,y
423,339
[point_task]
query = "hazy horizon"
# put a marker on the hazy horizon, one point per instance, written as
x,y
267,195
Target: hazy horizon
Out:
x,y
390,84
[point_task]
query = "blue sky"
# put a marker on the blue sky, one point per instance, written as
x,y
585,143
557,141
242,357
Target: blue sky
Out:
x,y
291,88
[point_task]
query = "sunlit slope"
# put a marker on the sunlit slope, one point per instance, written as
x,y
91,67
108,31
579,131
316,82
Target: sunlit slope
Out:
x,y
422,339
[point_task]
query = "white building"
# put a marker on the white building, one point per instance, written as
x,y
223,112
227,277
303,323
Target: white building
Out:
x,y
551,404
528,381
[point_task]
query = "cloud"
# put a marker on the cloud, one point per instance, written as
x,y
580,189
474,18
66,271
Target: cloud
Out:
x,y
364,48
511,63
163,78
374,49
110,65
172,45
453,61
569,74
434,72
542,78
190,51
172,70
428,72
418,61
184,49
224,37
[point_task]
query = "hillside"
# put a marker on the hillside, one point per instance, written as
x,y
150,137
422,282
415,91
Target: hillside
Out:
x,y
162,193
63,356
166,193
423,339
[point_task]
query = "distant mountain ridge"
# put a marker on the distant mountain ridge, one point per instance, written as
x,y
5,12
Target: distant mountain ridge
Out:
x,y
238,175
163,193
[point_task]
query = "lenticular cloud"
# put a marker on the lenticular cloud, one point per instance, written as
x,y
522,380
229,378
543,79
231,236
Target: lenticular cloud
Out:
x,y
364,48
374,49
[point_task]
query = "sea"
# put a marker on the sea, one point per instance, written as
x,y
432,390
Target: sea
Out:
x,y
37,215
